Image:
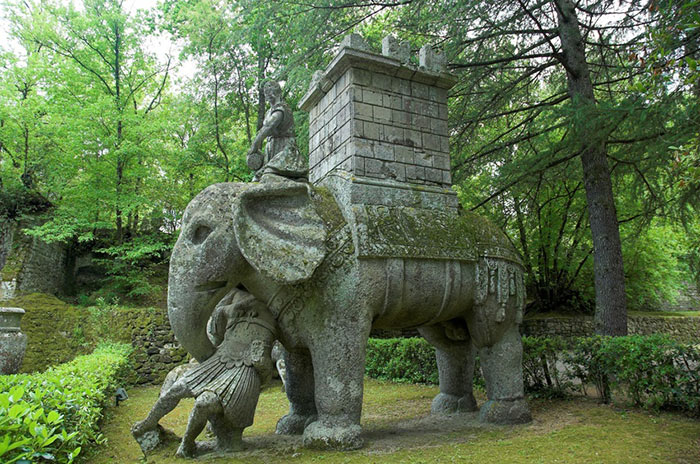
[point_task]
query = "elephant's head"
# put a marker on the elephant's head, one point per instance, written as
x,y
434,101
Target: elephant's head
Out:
x,y
232,231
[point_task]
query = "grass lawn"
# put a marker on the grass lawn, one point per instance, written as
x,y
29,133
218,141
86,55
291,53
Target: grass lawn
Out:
x,y
398,428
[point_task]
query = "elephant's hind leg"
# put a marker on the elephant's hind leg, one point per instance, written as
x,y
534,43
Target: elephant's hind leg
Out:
x,y
300,391
455,360
501,364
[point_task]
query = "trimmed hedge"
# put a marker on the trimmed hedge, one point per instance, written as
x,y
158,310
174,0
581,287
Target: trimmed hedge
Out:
x,y
50,416
410,360
654,371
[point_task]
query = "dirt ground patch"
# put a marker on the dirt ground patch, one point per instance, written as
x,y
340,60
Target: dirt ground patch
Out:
x,y
397,427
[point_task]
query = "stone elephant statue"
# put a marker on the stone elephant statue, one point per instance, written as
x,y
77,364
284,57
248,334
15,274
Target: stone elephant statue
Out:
x,y
329,275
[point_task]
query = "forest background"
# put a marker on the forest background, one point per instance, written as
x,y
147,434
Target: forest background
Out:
x,y
113,116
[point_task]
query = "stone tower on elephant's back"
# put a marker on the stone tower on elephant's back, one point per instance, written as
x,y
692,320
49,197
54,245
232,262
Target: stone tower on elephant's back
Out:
x,y
378,126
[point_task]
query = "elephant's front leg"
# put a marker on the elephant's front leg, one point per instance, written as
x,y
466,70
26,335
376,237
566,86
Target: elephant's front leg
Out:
x,y
300,391
339,363
501,364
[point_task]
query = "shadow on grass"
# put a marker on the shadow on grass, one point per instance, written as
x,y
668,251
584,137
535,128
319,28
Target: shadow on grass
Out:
x,y
398,428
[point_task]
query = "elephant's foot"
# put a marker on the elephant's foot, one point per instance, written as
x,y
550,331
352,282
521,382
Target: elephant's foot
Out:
x,y
505,412
294,424
445,403
326,437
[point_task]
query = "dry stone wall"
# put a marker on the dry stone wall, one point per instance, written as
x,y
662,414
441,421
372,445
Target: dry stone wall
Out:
x,y
28,264
57,332
43,269
685,329
156,351
8,281
6,235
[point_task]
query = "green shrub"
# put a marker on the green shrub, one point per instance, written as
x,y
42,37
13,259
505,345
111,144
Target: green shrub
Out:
x,y
401,360
51,416
542,359
586,362
654,371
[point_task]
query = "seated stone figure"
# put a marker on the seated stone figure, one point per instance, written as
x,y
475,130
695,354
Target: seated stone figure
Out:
x,y
225,386
281,158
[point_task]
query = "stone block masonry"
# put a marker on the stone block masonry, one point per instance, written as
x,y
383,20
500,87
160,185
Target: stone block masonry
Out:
x,y
57,332
682,328
28,264
379,118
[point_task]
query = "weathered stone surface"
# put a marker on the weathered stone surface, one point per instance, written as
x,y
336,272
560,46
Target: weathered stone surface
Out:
x,y
431,59
6,236
392,115
226,385
393,48
484,291
13,342
376,242
355,41
686,329
281,156
27,264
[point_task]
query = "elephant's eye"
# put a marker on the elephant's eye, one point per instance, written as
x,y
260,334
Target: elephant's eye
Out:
x,y
200,234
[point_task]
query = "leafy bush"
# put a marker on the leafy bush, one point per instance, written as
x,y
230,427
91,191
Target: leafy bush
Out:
x,y
654,371
16,200
401,360
51,416
586,362
656,264
131,265
542,359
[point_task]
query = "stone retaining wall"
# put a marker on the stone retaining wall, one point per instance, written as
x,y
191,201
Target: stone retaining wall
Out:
x,y
28,264
156,351
685,329
6,234
44,268
57,332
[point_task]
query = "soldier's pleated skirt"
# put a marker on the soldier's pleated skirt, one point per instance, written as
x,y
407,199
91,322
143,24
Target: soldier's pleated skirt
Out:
x,y
235,384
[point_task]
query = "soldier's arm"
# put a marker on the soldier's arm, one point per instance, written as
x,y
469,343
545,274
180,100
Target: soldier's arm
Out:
x,y
270,123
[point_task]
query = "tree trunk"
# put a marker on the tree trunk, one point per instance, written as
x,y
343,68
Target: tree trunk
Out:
x,y
611,306
120,162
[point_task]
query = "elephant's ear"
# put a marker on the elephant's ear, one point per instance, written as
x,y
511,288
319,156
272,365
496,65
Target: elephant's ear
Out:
x,y
279,231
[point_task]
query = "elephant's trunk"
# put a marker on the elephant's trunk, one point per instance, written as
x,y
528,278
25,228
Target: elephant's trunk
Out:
x,y
190,303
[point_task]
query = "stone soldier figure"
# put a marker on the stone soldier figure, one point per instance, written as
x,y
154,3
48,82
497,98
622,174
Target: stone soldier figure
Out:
x,y
281,157
226,385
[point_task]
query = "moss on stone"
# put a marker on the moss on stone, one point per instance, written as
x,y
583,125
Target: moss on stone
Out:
x,y
13,264
327,207
57,332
